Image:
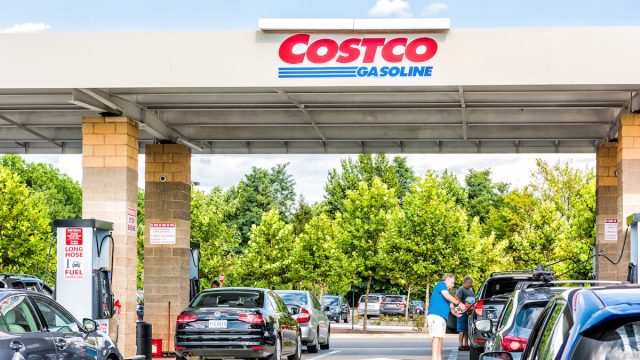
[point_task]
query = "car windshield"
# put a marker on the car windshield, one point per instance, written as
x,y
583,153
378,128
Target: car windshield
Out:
x,y
229,298
330,301
293,298
392,299
619,341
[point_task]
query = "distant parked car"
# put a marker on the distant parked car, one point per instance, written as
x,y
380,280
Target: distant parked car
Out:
x,y
25,282
314,323
336,307
237,323
34,326
586,323
373,308
393,305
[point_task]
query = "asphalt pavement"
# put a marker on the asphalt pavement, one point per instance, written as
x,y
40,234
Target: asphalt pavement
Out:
x,y
386,347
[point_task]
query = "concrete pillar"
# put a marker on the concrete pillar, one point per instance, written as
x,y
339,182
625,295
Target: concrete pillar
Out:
x,y
166,266
628,181
606,207
109,191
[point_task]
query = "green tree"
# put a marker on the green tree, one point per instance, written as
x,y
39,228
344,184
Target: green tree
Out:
x,y
483,194
302,216
435,227
366,217
260,191
25,232
140,234
61,195
219,239
267,260
396,174
319,265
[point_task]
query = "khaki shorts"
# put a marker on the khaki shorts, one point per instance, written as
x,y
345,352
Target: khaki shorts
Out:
x,y
437,326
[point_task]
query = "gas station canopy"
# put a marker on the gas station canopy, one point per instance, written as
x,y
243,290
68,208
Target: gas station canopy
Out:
x,y
459,91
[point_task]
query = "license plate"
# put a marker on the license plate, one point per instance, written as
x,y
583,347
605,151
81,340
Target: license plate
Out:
x,y
217,324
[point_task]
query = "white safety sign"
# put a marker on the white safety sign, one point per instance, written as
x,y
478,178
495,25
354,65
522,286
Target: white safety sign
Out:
x,y
132,221
162,233
611,229
73,254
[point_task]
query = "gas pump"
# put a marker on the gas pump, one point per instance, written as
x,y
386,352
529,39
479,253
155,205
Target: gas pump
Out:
x,y
632,223
194,271
84,265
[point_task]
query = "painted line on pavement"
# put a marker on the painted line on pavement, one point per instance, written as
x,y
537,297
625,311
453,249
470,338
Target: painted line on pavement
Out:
x,y
453,355
325,355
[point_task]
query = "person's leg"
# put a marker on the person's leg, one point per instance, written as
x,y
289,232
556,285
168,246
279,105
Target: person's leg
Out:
x,y
460,339
436,348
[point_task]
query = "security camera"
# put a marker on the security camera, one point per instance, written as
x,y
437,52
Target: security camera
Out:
x,y
163,178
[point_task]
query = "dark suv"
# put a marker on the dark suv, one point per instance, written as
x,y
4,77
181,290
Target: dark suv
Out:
x,y
490,300
24,282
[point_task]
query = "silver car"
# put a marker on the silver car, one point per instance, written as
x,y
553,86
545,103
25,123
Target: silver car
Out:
x,y
373,305
314,323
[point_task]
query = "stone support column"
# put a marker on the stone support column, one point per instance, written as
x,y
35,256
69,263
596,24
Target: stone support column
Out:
x,y
606,207
109,192
166,266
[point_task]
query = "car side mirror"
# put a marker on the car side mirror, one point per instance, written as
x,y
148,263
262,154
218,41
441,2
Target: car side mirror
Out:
x,y
484,325
498,355
89,325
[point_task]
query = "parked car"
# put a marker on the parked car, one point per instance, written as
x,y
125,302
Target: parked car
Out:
x,y
34,326
416,308
490,300
314,323
25,282
336,307
237,323
140,304
373,308
393,305
514,325
586,323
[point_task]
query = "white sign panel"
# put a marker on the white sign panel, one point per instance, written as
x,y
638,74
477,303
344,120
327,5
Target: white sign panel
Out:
x,y
73,254
611,229
162,233
132,221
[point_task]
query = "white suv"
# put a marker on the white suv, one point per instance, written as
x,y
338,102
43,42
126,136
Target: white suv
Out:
x,y
373,308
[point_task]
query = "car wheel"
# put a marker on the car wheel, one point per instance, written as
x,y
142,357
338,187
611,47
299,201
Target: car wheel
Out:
x,y
277,352
474,353
298,354
346,319
326,345
315,346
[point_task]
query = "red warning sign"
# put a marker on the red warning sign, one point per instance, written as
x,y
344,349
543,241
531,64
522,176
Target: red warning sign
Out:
x,y
74,236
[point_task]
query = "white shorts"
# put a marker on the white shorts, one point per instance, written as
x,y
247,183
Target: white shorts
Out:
x,y
437,326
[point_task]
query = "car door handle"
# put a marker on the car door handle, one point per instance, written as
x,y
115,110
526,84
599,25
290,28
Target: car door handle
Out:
x,y
61,344
16,345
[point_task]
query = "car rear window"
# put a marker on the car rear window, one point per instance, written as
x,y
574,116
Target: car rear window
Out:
x,y
616,341
392,299
294,298
372,298
330,301
500,287
231,299
528,315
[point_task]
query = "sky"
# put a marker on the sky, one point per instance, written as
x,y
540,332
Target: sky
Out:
x,y
310,171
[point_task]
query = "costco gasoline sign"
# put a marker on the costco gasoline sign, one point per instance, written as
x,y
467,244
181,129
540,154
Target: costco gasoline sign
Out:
x,y
377,57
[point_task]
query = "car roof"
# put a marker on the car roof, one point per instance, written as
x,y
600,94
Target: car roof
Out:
x,y
9,292
290,291
331,296
235,288
616,295
541,293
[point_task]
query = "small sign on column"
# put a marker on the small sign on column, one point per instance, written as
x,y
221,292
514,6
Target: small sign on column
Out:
x,y
611,229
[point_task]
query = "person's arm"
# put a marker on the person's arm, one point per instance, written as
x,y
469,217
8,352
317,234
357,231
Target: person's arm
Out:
x,y
454,311
453,300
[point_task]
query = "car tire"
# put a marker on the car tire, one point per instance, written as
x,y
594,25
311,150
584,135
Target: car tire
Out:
x,y
277,352
314,347
327,344
474,353
346,319
298,354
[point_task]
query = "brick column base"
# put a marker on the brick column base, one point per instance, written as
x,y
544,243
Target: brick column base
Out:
x,y
166,267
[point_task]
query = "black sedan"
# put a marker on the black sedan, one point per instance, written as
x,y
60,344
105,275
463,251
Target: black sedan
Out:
x,y
237,323
336,308
33,326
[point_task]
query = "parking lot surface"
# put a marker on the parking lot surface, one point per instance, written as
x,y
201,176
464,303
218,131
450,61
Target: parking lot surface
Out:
x,y
386,347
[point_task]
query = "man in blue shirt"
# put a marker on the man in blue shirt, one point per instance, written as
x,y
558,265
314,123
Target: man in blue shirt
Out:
x,y
442,302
